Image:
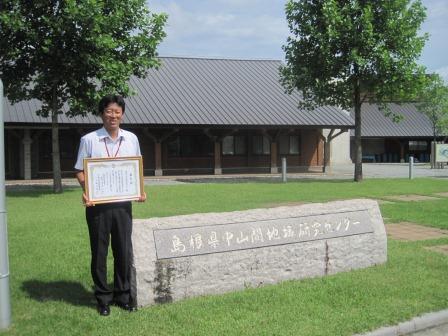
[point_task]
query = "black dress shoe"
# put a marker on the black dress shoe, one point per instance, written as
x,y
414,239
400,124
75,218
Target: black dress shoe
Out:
x,y
103,310
126,306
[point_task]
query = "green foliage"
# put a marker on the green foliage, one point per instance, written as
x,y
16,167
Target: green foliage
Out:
x,y
434,103
75,51
346,52
340,45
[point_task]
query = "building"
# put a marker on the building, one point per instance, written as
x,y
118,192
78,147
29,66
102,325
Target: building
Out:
x,y
384,140
192,116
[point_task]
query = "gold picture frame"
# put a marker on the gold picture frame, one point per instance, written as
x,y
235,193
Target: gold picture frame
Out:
x,y
109,180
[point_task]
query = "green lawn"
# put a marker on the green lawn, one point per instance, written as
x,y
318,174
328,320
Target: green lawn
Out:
x,y
51,284
426,213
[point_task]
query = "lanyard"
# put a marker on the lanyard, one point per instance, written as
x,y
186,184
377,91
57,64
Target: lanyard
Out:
x,y
107,150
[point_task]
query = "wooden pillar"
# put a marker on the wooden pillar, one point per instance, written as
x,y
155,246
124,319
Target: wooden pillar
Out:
x,y
35,153
274,168
401,151
158,159
27,141
327,155
218,169
10,160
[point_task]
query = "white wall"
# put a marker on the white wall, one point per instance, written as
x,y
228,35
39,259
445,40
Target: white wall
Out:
x,y
339,148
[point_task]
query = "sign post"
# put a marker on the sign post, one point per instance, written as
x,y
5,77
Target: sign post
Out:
x,y
5,304
284,169
411,167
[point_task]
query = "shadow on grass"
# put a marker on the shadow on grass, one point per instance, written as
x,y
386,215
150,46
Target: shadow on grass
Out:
x,y
68,291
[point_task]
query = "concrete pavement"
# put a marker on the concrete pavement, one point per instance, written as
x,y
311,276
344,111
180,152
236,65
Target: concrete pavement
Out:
x,y
370,170
436,331
388,170
431,324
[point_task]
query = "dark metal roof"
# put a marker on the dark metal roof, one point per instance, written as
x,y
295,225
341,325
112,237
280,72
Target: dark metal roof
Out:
x,y
25,112
375,124
212,92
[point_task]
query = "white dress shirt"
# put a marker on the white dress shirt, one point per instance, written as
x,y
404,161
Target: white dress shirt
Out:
x,y
99,144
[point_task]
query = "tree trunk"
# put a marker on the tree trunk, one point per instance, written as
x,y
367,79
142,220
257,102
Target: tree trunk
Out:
x,y
327,150
57,176
326,154
358,146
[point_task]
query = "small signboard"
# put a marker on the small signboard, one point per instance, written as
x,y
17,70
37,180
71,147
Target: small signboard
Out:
x,y
441,152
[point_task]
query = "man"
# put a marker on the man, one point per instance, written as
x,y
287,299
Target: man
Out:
x,y
110,221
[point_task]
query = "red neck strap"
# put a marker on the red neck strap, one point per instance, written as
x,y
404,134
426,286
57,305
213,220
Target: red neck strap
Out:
x,y
107,149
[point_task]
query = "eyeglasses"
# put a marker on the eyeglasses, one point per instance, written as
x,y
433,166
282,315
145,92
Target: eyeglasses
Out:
x,y
111,112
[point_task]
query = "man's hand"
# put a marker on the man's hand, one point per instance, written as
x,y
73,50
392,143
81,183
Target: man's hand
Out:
x,y
85,201
142,198
81,179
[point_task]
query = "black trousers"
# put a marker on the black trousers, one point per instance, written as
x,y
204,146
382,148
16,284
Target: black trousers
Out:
x,y
111,222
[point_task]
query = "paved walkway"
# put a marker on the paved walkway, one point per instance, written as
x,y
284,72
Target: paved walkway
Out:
x,y
389,170
441,330
436,331
370,170
413,232
430,324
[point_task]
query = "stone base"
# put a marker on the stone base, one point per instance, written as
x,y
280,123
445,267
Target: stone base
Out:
x,y
218,171
158,172
274,170
162,276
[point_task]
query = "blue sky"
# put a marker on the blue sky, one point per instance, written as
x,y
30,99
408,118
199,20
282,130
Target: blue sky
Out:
x,y
257,29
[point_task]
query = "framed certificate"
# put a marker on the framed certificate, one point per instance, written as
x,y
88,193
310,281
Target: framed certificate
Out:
x,y
110,180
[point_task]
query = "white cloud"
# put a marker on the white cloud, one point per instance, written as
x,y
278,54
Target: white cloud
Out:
x,y
258,29
221,28
436,9
444,73
241,3
436,14
217,20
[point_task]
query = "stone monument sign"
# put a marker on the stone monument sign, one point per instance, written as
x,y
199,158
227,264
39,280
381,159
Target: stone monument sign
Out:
x,y
185,256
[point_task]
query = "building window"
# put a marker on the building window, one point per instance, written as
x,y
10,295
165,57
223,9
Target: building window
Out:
x,y
228,145
289,145
234,145
189,146
418,145
173,146
261,145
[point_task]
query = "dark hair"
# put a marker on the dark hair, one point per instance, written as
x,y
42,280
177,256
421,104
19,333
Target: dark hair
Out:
x,y
110,99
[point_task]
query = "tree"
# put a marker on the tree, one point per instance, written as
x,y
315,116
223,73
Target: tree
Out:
x,y
74,51
434,104
347,52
